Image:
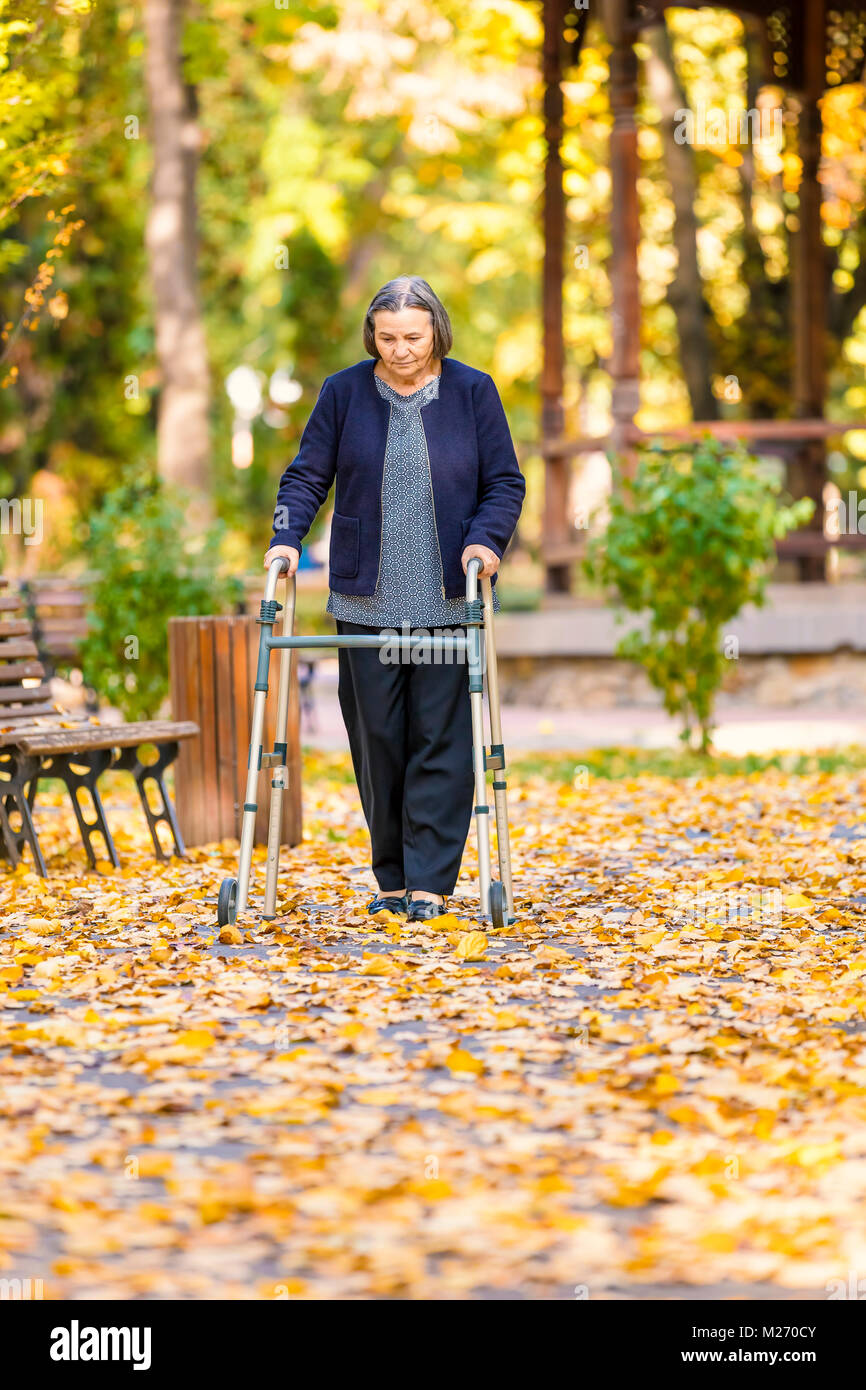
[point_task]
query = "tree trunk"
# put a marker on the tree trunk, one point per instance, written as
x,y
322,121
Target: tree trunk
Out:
x,y
685,292
768,312
183,443
555,521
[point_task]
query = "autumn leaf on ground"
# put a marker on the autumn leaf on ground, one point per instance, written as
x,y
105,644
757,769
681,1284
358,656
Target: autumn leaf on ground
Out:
x,y
472,946
660,1065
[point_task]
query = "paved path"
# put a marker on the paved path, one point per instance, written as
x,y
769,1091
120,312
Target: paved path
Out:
x,y
650,1086
741,730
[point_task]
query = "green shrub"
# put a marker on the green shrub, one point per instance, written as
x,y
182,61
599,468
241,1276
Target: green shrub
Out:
x,y
516,600
150,567
689,540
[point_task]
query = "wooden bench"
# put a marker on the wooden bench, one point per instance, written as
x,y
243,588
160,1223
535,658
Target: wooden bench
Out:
x,y
39,740
57,609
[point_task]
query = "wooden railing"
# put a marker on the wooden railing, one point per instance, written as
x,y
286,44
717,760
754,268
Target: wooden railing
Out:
x,y
786,435
789,433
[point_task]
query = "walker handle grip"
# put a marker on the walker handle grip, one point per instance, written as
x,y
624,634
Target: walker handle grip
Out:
x,y
472,576
275,569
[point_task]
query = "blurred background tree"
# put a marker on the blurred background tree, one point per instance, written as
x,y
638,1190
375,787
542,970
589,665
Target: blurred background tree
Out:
x,y
338,145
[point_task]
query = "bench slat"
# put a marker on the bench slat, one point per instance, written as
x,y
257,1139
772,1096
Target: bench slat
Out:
x,y
9,716
62,598
56,611
14,672
105,736
61,649
13,648
22,694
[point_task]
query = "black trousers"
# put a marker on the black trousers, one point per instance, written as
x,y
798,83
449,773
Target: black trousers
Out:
x,y
410,734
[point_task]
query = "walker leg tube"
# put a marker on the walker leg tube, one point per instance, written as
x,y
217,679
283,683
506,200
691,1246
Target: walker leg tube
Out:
x,y
500,784
278,785
280,779
482,810
248,825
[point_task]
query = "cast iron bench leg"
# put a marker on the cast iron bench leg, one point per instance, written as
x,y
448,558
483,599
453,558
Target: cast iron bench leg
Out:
x,y
96,761
129,761
16,771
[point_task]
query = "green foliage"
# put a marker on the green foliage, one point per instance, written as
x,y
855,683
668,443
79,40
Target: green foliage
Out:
x,y
72,227
203,53
40,58
389,172
624,764
147,571
689,540
520,600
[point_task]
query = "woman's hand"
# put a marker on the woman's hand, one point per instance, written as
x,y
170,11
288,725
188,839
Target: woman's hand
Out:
x,y
489,559
292,555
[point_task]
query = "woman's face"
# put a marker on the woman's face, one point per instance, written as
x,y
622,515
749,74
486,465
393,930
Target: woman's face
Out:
x,y
404,339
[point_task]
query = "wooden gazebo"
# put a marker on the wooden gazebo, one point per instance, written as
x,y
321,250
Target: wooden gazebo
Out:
x,y
809,46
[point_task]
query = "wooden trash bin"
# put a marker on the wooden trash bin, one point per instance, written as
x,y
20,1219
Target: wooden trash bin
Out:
x,y
212,665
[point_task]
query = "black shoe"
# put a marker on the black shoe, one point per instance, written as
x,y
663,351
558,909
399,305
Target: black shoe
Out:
x,y
421,908
388,902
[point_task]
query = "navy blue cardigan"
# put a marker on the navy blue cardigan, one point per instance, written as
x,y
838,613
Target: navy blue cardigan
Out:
x,y
478,488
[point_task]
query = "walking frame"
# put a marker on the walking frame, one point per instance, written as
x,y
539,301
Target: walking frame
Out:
x,y
496,895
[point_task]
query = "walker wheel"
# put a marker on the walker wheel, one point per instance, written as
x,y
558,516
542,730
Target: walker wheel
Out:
x,y
498,903
227,903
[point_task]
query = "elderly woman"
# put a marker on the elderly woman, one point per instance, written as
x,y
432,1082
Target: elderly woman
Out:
x,y
426,478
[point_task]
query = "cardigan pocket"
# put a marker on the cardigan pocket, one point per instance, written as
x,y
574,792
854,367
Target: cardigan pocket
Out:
x,y
345,545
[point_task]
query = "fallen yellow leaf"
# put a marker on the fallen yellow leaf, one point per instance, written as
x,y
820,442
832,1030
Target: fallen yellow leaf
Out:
x,y
796,900
472,946
460,1060
195,1037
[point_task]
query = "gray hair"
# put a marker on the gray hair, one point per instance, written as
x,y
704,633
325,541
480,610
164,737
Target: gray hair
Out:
x,y
410,292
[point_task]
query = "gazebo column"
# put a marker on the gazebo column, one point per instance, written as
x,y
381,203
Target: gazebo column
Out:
x,y
809,286
625,221
556,531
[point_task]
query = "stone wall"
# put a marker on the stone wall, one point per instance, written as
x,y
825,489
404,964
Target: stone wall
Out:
x,y
828,681
805,647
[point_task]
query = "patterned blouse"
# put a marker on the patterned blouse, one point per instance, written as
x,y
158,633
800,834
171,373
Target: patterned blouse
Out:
x,y
410,582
